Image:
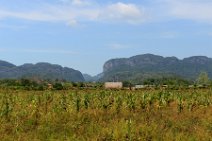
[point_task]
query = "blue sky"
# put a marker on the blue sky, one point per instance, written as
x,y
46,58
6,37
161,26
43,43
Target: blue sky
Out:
x,y
83,34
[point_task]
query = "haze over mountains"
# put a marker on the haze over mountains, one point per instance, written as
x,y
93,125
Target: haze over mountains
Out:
x,y
136,68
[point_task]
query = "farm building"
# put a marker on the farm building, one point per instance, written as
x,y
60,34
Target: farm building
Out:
x,y
113,85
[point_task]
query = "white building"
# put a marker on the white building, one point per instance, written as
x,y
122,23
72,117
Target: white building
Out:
x,y
113,85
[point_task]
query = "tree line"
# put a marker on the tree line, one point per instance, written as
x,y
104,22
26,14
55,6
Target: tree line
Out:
x,y
36,84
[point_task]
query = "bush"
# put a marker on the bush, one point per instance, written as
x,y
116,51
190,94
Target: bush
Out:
x,y
58,86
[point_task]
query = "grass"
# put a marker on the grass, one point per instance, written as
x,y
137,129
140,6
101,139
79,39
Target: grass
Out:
x,y
104,115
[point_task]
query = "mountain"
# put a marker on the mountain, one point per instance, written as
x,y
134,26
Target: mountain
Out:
x,y
5,65
89,78
145,66
39,71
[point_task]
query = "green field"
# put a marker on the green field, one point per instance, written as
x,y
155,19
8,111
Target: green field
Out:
x,y
106,115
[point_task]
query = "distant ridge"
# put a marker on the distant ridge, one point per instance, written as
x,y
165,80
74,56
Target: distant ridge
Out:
x,y
136,69
39,71
149,65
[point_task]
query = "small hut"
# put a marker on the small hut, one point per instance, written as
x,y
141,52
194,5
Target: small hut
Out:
x,y
113,85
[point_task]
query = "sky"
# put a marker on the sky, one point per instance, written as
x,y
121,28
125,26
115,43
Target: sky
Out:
x,y
84,34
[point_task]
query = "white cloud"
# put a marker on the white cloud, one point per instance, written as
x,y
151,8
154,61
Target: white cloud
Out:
x,y
72,12
32,15
72,23
117,46
76,2
79,2
196,10
129,13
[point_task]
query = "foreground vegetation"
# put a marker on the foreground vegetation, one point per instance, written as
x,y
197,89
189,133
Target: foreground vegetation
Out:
x,y
106,115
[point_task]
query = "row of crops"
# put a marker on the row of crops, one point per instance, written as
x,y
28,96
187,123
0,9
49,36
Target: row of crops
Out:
x,y
106,115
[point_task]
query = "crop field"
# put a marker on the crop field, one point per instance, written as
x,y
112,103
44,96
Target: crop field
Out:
x,y
106,115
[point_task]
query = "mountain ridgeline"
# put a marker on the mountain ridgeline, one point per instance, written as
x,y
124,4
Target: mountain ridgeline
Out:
x,y
135,69
40,71
140,67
